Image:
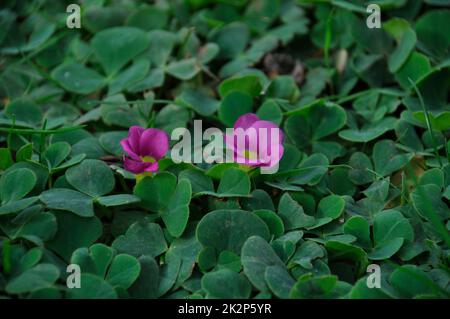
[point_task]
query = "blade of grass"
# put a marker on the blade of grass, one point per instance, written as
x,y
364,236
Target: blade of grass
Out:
x,y
427,120
41,131
328,36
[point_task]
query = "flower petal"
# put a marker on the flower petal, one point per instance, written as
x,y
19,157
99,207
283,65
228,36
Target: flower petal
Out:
x,y
270,158
134,136
246,120
136,167
271,127
151,167
127,148
154,143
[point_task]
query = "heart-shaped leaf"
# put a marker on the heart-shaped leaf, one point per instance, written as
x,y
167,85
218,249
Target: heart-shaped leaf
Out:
x,y
115,47
228,230
70,200
141,238
92,177
15,184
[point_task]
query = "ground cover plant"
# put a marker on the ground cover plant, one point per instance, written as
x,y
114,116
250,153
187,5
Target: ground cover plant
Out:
x,y
87,181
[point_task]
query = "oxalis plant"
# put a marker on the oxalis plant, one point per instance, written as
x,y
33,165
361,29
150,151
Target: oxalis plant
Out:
x,y
98,198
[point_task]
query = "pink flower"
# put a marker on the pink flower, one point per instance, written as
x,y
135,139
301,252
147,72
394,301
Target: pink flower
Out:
x,y
144,148
255,142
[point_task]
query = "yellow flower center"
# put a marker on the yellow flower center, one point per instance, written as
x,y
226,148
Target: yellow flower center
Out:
x,y
250,155
145,159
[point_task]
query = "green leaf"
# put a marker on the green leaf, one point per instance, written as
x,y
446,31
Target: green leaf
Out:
x,y
176,214
78,78
427,201
15,206
130,76
124,270
360,173
390,231
403,50
331,206
96,260
249,84
198,101
38,277
199,181
30,259
15,184
5,159
309,287
317,121
118,200
331,119
92,177
233,105
411,281
433,176
110,141
115,47
69,200
359,227
229,260
24,153
184,69
142,238
56,153
292,214
228,230
279,281
387,249
39,227
149,18
310,170
146,285
257,256
161,45
391,224
439,122
387,158
361,291
92,287
185,251
74,232
272,220
156,191
226,284
431,30
232,39
234,182
270,111
416,67
306,253
24,110
369,131
339,250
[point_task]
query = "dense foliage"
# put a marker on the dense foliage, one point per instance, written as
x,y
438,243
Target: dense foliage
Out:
x,y
364,178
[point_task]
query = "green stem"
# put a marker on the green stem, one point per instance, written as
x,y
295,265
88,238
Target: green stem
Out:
x,y
427,120
6,256
40,131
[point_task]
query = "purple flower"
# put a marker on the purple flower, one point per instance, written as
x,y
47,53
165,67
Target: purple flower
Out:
x,y
255,142
144,148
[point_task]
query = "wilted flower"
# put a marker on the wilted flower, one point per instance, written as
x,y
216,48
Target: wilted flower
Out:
x,y
144,148
255,142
